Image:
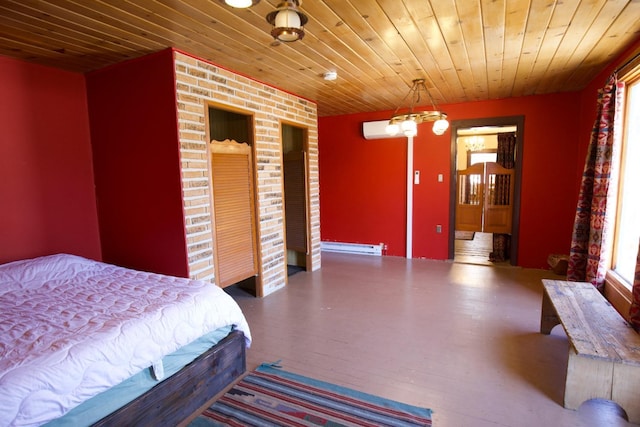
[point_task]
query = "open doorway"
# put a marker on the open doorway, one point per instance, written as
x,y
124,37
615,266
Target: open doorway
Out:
x,y
294,153
486,161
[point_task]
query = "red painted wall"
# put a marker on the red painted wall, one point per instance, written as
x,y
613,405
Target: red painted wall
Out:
x,y
362,183
47,202
132,107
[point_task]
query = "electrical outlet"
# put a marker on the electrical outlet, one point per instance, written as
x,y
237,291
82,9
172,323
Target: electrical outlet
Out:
x,y
438,228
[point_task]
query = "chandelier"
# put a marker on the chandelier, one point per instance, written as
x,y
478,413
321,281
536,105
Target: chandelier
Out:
x,y
474,143
288,22
408,122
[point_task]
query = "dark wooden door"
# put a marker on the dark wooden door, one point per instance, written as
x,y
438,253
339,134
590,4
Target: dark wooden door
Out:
x,y
295,200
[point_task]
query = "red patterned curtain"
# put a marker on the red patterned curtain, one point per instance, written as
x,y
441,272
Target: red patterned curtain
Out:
x,y
590,253
506,151
634,311
505,157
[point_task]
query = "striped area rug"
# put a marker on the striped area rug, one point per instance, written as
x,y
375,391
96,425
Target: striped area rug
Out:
x,y
270,396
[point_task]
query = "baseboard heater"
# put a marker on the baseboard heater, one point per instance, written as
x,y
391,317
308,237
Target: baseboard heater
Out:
x,y
352,248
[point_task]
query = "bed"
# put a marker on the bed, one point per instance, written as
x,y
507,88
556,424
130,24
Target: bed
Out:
x,y
73,331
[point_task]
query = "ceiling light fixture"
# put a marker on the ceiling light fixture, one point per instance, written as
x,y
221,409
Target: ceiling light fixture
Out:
x,y
330,75
408,122
240,4
287,21
474,143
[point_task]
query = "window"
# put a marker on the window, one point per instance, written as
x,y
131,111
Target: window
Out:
x,y
482,157
627,228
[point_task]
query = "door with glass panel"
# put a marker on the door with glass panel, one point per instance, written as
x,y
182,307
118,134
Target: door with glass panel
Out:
x,y
484,198
470,198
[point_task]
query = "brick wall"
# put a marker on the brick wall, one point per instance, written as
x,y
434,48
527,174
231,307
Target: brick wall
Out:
x,y
199,83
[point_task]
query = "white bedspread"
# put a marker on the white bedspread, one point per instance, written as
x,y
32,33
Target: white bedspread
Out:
x,y
71,328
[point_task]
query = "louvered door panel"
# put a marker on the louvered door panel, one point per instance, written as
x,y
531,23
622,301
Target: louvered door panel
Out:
x,y
233,205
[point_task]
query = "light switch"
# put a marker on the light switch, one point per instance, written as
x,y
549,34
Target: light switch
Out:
x,y
440,177
416,177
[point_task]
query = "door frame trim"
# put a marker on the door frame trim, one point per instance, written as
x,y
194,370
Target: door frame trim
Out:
x,y
518,121
251,132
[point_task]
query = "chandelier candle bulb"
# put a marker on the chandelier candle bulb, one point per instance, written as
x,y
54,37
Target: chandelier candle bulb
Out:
x,y
392,129
440,126
409,128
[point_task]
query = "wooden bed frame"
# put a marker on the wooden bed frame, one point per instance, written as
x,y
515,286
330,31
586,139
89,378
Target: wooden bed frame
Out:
x,y
179,396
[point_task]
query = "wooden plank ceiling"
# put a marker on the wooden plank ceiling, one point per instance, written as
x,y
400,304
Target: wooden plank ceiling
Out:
x,y
467,50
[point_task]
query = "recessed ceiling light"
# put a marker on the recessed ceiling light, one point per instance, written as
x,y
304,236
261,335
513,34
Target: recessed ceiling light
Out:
x,y
330,75
240,4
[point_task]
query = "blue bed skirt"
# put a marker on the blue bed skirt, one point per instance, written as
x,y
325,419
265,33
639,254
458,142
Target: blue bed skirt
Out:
x,y
110,400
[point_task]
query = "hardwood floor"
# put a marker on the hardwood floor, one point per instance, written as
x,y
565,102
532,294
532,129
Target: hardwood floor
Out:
x,y
476,250
461,339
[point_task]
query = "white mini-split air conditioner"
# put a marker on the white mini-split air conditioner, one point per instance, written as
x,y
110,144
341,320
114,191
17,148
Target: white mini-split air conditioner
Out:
x,y
376,130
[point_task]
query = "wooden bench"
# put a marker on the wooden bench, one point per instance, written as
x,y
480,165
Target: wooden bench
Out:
x,y
604,351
